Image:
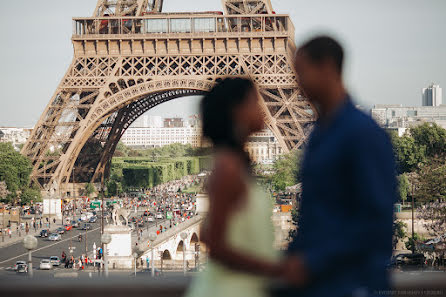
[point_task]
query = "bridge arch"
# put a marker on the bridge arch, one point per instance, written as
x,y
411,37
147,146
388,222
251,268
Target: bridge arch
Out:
x,y
166,255
194,239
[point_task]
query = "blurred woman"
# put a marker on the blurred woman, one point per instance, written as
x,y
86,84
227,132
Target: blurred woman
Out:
x,y
238,230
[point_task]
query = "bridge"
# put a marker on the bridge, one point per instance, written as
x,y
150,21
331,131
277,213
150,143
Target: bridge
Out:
x,y
168,247
130,57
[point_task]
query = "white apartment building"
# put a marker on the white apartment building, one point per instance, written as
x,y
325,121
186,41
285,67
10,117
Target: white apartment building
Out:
x,y
432,96
263,147
397,116
161,136
16,136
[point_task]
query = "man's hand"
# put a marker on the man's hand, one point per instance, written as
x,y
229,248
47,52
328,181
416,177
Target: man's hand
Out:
x,y
294,271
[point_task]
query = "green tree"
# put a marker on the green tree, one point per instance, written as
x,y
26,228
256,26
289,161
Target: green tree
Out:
x,y
89,189
114,188
432,137
408,154
286,171
30,194
431,183
403,187
15,170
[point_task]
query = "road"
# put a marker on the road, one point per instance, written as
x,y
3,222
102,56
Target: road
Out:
x,y
45,248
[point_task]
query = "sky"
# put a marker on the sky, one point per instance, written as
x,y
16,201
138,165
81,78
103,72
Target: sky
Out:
x,y
394,48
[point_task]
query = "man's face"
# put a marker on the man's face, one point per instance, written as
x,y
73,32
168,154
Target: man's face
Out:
x,y
310,77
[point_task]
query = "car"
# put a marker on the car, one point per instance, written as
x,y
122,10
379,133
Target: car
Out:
x,y
408,261
150,219
86,227
55,261
93,219
74,224
159,216
60,230
45,264
22,268
54,237
18,263
68,227
83,217
44,233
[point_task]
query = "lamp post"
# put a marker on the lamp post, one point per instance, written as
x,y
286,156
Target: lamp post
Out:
x,y
152,237
135,256
20,222
413,225
30,243
183,237
35,214
105,240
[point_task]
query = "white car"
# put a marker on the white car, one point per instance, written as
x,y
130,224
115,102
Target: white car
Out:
x,y
19,263
54,237
150,219
45,264
55,261
159,216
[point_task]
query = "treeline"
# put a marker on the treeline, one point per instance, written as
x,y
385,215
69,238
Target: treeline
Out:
x,y
421,163
175,150
15,171
171,163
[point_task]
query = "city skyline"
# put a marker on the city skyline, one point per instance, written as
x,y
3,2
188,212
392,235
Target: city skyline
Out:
x,y
393,49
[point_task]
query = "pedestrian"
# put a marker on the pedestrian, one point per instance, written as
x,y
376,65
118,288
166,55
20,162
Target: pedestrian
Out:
x,y
54,220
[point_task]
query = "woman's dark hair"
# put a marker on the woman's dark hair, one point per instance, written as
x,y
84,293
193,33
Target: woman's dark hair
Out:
x,y
217,113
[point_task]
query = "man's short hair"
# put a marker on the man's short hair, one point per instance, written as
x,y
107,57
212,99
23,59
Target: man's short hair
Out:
x,y
321,48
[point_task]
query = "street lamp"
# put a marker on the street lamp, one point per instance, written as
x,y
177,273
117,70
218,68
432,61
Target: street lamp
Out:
x,y
183,236
105,240
152,237
135,256
30,243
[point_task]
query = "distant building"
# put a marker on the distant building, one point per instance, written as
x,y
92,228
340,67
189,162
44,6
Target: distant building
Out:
x,y
432,96
194,121
263,147
146,121
17,136
397,116
161,136
173,123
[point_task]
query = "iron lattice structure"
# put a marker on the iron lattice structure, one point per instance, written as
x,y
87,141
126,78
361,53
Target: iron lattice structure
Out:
x,y
130,57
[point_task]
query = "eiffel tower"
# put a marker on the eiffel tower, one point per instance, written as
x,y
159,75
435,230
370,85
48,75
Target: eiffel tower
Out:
x,y
129,57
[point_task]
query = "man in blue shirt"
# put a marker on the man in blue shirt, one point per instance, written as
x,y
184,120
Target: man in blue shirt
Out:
x,y
348,176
